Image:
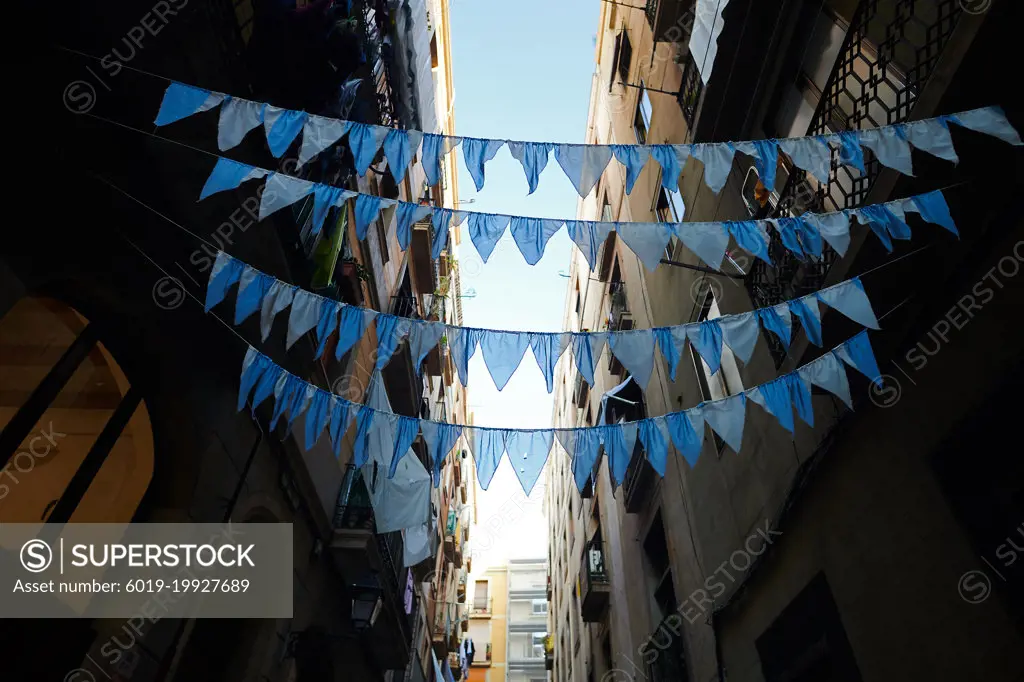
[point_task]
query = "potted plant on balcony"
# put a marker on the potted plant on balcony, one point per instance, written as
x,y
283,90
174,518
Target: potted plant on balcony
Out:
x,y
350,268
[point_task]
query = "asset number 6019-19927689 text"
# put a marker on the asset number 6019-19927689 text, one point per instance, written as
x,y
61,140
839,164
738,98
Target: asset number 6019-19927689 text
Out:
x,y
187,585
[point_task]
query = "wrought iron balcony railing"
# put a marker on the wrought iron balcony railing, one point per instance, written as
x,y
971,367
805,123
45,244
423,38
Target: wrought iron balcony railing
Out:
x,y
354,511
405,306
619,300
887,57
594,565
481,607
639,479
372,16
669,662
651,10
690,90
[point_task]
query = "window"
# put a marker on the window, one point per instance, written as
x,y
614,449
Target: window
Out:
x,y
658,569
758,199
642,117
805,71
480,595
622,58
537,640
726,381
380,226
540,607
625,57
606,212
670,209
807,641
382,241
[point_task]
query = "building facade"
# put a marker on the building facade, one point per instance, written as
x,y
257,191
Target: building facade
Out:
x,y
488,624
105,348
509,621
527,619
836,553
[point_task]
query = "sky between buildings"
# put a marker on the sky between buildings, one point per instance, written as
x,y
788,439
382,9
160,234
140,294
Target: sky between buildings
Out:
x,y
522,71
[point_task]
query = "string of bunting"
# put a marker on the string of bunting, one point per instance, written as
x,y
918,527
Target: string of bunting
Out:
x,y
804,235
387,437
583,164
503,351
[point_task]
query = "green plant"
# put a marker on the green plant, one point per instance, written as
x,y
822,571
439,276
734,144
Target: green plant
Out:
x,y
361,272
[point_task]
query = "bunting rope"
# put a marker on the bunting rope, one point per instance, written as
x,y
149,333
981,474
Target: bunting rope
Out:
x,y
528,449
582,164
803,235
261,378
503,351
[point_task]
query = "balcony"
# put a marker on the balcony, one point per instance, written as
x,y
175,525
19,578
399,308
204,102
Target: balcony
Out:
x,y
690,88
421,264
483,659
443,630
595,589
436,307
374,22
886,61
481,608
549,653
669,665
639,481
670,20
405,306
361,556
432,363
354,540
455,665
619,318
581,392
449,547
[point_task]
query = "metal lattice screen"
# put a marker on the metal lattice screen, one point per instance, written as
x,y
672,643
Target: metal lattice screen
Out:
x,y
890,52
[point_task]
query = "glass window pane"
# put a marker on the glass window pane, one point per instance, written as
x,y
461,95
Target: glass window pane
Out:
x,y
678,207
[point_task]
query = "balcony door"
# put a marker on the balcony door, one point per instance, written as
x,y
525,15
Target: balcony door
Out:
x,y
480,595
